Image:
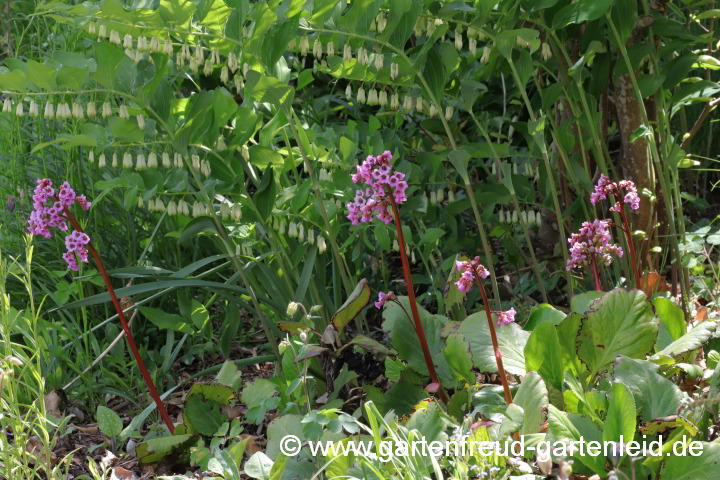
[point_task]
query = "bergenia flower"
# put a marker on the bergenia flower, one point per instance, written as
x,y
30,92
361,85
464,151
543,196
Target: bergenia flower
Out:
x,y
49,211
623,191
377,174
507,317
383,298
592,242
469,270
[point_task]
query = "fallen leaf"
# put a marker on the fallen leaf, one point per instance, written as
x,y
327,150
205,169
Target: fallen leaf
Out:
x,y
653,282
252,447
120,473
701,314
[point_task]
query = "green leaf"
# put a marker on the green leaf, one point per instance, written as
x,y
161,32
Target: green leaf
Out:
x,y
195,227
265,89
164,320
532,396
458,356
352,307
583,302
108,57
13,81
157,449
124,129
229,375
671,316
544,313
109,422
624,15
42,75
264,197
706,466
360,16
434,73
204,415
620,323
511,341
404,339
277,39
581,11
459,160
692,340
563,428
621,417
543,354
655,395
259,466
432,235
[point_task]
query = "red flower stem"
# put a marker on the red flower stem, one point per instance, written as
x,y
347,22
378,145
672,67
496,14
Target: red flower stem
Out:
x,y
496,347
419,330
126,328
596,274
631,246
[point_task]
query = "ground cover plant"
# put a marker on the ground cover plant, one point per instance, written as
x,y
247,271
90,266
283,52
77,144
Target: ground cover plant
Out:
x,y
230,223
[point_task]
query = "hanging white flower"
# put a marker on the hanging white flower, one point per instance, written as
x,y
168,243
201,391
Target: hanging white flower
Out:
x,y
185,49
372,98
347,53
472,46
106,110
78,111
195,162
304,45
419,104
124,112
292,230
91,111
177,160
91,157
379,61
408,103
224,75
115,38
232,62
523,217
199,54
215,56
348,92
236,212
321,244
361,95
246,69
102,31
168,48
440,195
220,144
101,160
152,160
239,82
380,22
514,216
395,101
301,233
207,70
140,202
114,160
330,48
159,205
33,109
317,48
394,70
142,44
205,168
382,98
449,113
395,245
166,160
127,41
184,207
141,121
433,198
486,55
538,219
140,165
49,110
224,211
172,208
245,152
433,110
311,236
451,196
546,52
458,39
127,160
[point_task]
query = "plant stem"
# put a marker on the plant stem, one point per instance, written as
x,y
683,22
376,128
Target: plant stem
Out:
x,y
631,246
126,328
419,330
596,274
493,337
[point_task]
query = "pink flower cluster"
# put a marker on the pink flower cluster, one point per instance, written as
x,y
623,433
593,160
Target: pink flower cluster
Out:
x,y
376,172
624,189
383,298
469,270
507,317
593,241
49,211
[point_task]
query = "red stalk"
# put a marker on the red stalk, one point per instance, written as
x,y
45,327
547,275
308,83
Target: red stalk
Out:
x,y
631,246
126,328
496,347
419,330
596,274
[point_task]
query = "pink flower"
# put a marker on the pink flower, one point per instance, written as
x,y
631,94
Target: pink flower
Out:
x,y
469,270
593,241
624,189
507,317
49,211
376,172
383,298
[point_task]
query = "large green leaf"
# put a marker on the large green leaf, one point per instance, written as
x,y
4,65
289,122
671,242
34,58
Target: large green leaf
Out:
x,y
692,340
405,341
567,428
544,313
706,466
581,11
157,449
655,395
204,415
620,323
543,354
621,417
511,340
458,356
532,396
164,320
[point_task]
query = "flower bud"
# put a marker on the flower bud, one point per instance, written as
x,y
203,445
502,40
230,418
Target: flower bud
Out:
x,y
292,230
321,244
245,152
515,216
419,104
433,198
281,227
311,236
91,157
140,201
458,39
448,113
348,92
301,233
472,46
538,219
394,70
303,337
501,216
440,195
395,245
292,308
